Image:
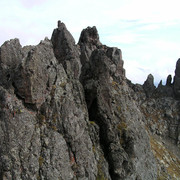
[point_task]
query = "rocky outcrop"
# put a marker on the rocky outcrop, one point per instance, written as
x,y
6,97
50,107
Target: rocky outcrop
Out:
x,y
169,81
66,51
44,121
107,99
177,80
67,111
160,107
149,86
10,57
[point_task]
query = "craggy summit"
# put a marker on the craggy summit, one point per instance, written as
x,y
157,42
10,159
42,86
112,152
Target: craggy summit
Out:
x,y
67,111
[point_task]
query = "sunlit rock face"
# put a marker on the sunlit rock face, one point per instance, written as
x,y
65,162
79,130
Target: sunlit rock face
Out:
x,y
67,111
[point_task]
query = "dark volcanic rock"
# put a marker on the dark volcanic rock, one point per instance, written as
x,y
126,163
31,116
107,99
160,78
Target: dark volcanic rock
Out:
x,y
110,107
177,80
90,36
67,111
88,42
116,66
115,115
51,111
10,57
165,91
169,81
36,74
66,51
149,86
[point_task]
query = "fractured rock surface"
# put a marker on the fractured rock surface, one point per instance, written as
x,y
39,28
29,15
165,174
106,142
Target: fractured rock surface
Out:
x,y
67,111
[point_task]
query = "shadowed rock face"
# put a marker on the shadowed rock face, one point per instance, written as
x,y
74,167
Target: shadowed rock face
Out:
x,y
177,79
10,57
168,81
66,51
90,36
149,86
67,111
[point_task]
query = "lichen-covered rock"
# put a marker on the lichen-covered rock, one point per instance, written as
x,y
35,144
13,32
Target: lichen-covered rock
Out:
x,y
36,74
162,119
119,121
67,112
50,124
29,150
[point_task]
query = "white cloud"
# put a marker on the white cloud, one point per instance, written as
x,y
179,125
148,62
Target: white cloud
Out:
x,y
150,27
136,72
146,31
124,38
33,3
147,11
166,45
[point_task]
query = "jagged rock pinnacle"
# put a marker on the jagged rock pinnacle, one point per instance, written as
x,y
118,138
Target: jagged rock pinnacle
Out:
x,y
169,80
66,50
149,86
61,26
89,36
68,112
177,79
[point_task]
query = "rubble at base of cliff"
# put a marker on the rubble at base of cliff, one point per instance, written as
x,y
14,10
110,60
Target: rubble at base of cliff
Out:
x,y
67,111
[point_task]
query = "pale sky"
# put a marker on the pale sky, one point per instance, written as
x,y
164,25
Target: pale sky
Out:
x,y
147,32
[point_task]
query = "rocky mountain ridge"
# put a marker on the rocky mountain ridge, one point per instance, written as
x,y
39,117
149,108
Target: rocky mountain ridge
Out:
x,y
67,111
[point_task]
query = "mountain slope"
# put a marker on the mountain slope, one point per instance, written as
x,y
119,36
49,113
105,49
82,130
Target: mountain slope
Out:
x,y
67,111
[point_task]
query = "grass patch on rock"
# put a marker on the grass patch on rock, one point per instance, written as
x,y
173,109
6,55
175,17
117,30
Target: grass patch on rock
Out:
x,y
166,159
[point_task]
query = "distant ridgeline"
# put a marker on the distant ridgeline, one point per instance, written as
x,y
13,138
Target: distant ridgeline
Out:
x,y
67,111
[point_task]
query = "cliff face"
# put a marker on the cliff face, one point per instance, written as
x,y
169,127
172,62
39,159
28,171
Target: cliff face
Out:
x,y
67,111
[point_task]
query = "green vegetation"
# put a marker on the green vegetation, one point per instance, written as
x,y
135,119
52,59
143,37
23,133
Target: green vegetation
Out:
x,y
19,111
166,158
54,128
41,161
41,119
94,149
54,118
38,177
63,84
162,176
119,108
53,90
122,126
100,175
92,122
115,85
